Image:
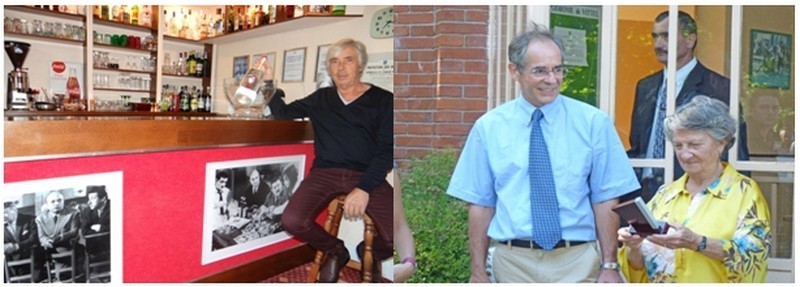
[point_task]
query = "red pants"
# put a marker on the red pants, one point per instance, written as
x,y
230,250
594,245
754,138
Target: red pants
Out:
x,y
315,192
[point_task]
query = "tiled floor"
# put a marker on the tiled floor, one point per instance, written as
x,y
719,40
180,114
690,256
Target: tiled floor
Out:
x,y
300,275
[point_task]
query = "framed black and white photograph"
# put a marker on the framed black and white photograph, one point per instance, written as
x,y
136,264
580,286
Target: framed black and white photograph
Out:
x,y
64,230
321,76
244,202
294,62
240,66
770,59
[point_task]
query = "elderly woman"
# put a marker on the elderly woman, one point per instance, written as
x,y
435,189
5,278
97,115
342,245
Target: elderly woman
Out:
x,y
353,149
719,219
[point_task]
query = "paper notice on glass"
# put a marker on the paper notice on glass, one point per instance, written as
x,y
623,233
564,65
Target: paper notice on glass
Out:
x,y
380,71
574,41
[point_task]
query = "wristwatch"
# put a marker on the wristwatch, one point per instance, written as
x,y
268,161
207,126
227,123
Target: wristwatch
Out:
x,y
609,265
410,260
702,245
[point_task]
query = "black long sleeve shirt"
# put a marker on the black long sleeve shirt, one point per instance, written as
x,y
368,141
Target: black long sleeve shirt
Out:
x,y
358,136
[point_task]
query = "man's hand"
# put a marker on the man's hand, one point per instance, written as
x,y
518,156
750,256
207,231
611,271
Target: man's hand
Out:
x,y
10,248
479,277
609,276
355,204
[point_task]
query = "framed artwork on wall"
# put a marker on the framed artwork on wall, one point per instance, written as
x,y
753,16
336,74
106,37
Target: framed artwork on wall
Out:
x,y
270,59
321,74
770,59
240,66
244,202
294,62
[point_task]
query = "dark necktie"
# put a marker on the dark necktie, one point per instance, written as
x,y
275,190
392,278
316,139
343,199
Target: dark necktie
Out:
x,y
661,113
544,204
55,219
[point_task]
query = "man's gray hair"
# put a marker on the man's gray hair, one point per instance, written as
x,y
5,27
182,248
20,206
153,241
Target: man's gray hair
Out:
x,y
703,114
518,49
340,45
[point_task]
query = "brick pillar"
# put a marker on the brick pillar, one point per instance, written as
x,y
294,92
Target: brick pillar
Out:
x,y
440,77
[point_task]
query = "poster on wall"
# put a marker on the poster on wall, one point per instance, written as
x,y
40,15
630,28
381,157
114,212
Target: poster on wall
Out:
x,y
578,28
770,59
244,201
66,77
56,227
380,71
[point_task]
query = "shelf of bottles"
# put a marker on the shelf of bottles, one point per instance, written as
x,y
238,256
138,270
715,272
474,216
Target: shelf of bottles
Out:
x,y
198,23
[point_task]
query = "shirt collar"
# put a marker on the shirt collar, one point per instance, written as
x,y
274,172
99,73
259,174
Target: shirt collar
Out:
x,y
549,110
720,188
683,72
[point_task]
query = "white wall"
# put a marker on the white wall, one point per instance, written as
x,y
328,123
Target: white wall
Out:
x,y
310,38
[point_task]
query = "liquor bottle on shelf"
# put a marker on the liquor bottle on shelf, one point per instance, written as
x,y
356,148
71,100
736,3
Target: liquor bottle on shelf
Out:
x,y
194,102
289,11
207,100
191,64
145,16
125,16
114,16
96,11
104,12
135,14
200,65
185,99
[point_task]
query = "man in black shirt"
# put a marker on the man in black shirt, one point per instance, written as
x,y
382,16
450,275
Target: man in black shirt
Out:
x,y
353,146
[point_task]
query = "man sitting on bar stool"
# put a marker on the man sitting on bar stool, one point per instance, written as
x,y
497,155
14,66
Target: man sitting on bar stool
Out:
x,y
353,149
541,174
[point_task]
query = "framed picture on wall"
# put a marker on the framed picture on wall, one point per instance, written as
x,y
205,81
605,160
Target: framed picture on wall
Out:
x,y
75,215
770,59
240,66
244,202
321,76
270,58
294,62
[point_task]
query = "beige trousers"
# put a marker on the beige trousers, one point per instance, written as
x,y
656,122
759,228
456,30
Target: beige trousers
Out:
x,y
564,265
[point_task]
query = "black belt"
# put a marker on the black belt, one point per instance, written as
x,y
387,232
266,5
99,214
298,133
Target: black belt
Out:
x,y
531,244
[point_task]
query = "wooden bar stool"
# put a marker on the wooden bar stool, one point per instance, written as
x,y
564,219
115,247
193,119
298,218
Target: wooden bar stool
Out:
x,y
335,211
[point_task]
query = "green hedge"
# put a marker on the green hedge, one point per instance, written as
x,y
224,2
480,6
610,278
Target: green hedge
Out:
x,y
438,221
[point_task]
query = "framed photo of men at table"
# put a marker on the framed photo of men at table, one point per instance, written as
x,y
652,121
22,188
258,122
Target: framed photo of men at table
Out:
x,y
244,202
63,229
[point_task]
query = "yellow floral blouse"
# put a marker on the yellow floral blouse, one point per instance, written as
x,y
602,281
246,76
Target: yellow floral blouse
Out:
x,y
731,209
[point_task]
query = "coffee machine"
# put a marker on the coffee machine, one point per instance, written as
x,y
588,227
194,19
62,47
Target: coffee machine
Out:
x,y
17,86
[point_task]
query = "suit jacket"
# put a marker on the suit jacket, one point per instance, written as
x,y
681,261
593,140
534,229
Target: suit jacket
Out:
x,y
258,198
64,232
24,236
700,81
90,217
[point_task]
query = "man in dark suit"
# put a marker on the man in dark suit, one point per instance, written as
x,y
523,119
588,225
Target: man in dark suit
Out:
x,y
255,193
96,219
692,78
19,236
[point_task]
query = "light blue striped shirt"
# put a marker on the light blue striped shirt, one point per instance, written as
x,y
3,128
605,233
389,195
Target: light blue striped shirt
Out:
x,y
587,157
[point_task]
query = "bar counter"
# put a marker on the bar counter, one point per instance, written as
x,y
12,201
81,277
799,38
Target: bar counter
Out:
x,y
47,135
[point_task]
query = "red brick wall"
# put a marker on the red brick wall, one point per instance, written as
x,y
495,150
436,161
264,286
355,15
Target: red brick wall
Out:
x,y
440,76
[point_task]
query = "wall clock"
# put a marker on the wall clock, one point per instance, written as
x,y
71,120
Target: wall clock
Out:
x,y
382,24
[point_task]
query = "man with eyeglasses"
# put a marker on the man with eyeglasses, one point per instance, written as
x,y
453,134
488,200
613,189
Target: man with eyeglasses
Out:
x,y
540,174
649,107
